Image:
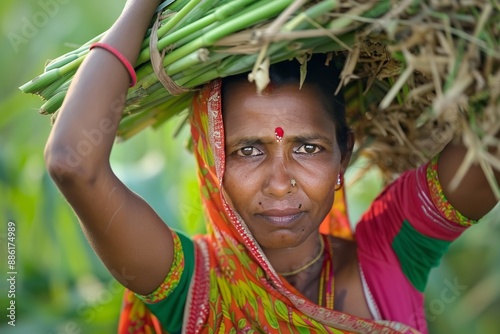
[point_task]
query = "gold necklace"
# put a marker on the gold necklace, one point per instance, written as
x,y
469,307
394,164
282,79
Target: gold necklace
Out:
x,y
326,282
307,265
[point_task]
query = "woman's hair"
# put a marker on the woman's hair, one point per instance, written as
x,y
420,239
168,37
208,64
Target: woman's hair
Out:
x,y
325,78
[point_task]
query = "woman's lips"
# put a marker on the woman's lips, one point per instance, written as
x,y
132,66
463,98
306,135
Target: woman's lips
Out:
x,y
284,217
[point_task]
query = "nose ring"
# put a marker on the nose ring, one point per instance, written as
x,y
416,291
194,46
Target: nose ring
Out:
x,y
293,182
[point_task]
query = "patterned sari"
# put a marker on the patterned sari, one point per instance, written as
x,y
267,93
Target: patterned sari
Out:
x,y
234,288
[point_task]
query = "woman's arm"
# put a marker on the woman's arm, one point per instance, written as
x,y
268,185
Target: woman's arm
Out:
x,y
473,197
129,237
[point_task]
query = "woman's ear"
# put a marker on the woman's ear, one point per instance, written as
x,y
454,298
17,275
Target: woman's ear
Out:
x,y
346,155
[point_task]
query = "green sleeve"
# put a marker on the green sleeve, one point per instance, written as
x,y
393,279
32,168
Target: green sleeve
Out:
x,y
417,254
170,309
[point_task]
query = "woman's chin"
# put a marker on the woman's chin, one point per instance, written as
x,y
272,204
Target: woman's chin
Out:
x,y
281,239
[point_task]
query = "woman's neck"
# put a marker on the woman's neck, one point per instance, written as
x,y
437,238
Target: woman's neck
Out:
x,y
301,266
307,281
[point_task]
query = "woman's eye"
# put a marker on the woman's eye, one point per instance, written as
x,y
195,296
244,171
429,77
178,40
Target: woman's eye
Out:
x,y
248,151
308,149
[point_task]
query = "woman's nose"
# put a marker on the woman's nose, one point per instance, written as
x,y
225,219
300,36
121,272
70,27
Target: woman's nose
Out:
x,y
278,181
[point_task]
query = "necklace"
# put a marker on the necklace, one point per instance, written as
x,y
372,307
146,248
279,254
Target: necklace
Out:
x,y
307,265
326,281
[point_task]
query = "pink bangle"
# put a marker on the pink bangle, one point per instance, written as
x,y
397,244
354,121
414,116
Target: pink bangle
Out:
x,y
121,58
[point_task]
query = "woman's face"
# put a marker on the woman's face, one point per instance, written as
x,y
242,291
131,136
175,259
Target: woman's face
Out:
x,y
259,169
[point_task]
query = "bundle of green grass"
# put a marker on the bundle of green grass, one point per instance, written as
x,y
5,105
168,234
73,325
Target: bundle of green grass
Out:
x,y
416,72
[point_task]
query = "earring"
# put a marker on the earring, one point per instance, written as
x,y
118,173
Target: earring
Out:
x,y
293,182
340,182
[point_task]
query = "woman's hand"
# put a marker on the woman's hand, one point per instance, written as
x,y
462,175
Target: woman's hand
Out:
x,y
129,237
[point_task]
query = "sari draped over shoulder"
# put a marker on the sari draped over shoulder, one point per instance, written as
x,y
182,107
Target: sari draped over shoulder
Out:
x,y
234,288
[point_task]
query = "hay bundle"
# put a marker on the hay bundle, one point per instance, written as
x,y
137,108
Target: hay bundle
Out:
x,y
416,72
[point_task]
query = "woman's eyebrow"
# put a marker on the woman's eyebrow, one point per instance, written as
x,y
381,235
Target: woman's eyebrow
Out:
x,y
252,141
308,138
249,141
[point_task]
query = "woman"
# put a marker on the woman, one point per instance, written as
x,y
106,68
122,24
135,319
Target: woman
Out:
x,y
269,165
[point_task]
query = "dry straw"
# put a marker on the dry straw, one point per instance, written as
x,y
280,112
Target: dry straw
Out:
x,y
416,73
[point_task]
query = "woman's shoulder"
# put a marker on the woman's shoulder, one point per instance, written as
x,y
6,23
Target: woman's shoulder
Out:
x,y
343,252
349,293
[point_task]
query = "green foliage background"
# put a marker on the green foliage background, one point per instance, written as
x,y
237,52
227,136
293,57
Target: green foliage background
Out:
x,y
61,285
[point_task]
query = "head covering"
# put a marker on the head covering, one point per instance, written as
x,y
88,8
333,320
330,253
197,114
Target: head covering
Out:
x,y
234,285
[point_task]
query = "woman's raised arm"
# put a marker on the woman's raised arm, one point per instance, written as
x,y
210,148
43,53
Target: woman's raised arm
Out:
x,y
129,237
473,197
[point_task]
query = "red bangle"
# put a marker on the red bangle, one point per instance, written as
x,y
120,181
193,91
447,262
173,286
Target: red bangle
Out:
x,y
121,58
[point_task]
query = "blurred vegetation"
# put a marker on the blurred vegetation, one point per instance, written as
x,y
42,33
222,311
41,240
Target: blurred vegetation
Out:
x,y
61,285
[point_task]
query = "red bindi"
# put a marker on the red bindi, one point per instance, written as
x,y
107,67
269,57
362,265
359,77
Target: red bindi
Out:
x,y
279,133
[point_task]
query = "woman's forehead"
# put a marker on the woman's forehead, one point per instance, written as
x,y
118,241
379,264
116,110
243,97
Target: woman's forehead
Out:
x,y
288,107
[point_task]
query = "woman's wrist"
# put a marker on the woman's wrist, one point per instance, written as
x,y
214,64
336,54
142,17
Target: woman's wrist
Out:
x,y
127,33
